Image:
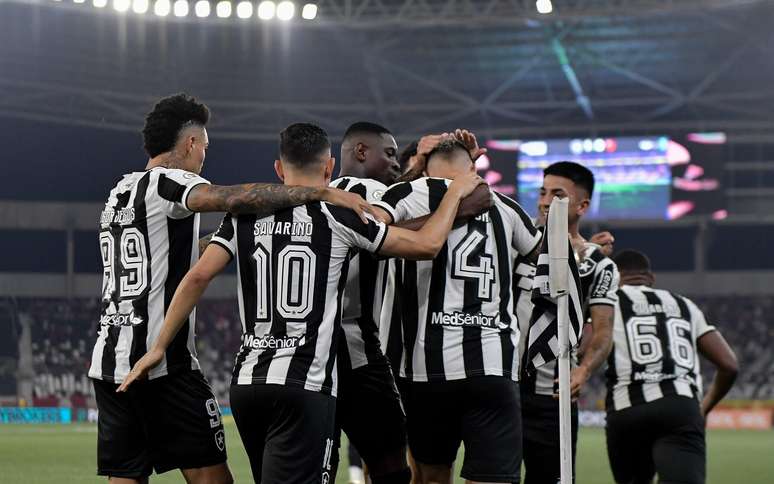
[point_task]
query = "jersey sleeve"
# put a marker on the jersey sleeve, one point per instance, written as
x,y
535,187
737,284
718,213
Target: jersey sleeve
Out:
x,y
225,236
175,186
700,324
407,200
371,190
355,233
525,235
604,287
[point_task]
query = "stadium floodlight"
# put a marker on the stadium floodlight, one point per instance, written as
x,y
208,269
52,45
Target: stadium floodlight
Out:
x,y
79,1
100,3
121,5
266,10
244,9
309,11
202,8
139,6
161,8
223,9
286,10
180,8
544,6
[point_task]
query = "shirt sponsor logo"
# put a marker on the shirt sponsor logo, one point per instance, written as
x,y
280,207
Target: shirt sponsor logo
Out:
x,y
271,342
458,319
125,216
298,229
604,284
653,377
120,319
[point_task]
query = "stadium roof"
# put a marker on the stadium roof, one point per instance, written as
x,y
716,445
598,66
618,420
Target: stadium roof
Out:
x,y
417,66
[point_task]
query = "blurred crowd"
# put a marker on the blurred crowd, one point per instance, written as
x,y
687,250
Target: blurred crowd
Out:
x,y
63,333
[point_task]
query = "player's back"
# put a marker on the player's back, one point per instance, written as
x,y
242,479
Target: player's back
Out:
x,y
457,312
654,347
148,240
292,270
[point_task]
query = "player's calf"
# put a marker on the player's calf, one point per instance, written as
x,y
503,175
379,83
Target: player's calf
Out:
x,y
217,474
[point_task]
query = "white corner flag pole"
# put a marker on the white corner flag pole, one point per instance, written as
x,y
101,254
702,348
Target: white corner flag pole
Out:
x,y
558,273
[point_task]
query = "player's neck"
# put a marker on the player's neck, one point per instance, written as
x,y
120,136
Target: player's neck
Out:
x,y
352,168
166,160
304,180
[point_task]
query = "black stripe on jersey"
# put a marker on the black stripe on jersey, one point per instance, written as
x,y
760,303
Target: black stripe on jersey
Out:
x,y
247,279
526,220
472,352
361,190
437,293
321,244
170,189
181,237
341,183
352,221
111,338
140,304
503,269
396,193
394,350
662,333
409,312
636,396
279,326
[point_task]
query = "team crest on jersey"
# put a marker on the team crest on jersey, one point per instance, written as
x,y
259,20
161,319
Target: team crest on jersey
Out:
x,y
220,439
377,195
189,175
586,267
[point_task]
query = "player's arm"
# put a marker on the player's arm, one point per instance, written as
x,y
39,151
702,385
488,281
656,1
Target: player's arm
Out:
x,y
428,241
714,347
267,198
204,242
471,206
598,348
418,162
186,296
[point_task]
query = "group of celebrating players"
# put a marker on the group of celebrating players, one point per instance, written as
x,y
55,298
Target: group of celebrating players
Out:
x,y
393,304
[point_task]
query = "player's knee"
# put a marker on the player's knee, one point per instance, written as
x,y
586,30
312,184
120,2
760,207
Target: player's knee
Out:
x,y
434,474
388,463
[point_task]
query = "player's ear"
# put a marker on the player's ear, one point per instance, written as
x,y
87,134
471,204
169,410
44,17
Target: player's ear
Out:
x,y
278,169
360,152
583,206
329,165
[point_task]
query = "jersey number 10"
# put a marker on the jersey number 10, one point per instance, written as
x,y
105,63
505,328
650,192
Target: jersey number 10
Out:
x,y
296,264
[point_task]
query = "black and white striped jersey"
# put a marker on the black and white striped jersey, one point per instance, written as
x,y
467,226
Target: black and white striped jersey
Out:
x,y
362,302
599,280
291,272
148,240
457,311
654,347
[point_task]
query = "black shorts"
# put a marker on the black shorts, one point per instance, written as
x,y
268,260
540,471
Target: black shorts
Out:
x,y
540,419
288,433
483,412
171,422
369,411
664,437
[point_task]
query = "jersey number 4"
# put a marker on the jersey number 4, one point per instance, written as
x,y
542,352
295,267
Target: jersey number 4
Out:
x,y
125,274
471,262
646,346
296,265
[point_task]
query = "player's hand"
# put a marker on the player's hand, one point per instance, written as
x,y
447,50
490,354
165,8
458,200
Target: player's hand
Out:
x,y
463,185
476,203
342,198
605,241
578,378
469,140
140,369
425,145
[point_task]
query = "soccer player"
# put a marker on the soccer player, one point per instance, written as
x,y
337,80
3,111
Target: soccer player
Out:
x,y
459,361
366,383
655,409
148,237
599,282
292,269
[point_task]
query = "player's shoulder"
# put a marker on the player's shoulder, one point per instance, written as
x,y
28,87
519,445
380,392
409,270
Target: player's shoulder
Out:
x,y
368,188
595,261
507,204
178,175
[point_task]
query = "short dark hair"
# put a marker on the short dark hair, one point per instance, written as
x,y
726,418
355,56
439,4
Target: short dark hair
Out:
x,y
301,143
407,153
365,127
447,147
577,173
630,260
168,117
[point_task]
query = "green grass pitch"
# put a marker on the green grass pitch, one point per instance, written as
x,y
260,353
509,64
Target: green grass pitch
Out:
x,y
43,454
